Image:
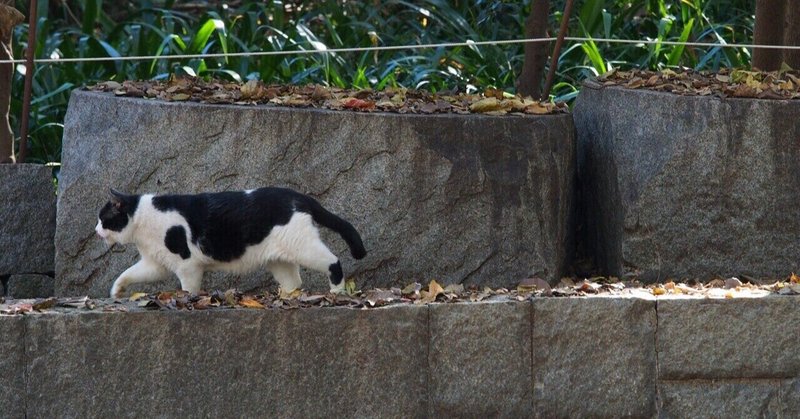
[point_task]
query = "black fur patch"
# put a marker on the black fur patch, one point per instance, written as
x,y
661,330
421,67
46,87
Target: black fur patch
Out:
x,y
336,273
224,224
175,240
115,216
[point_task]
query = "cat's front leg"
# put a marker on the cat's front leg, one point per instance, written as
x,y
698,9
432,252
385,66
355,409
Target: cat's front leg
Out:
x,y
191,278
142,271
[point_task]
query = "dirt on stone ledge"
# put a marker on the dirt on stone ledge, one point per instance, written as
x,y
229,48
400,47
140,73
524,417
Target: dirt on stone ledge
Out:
x,y
414,293
784,84
395,100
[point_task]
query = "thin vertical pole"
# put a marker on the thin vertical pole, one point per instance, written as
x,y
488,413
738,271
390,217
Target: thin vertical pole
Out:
x,y
562,32
26,99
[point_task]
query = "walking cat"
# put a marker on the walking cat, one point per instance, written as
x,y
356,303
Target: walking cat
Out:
x,y
226,231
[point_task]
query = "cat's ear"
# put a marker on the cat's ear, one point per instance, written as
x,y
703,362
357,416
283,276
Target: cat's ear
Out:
x,y
116,198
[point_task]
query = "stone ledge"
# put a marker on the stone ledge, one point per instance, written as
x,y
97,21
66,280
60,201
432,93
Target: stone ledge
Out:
x,y
30,286
28,220
688,186
400,179
544,357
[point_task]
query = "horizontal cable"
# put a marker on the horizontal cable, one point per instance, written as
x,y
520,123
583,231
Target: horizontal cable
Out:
x,y
400,47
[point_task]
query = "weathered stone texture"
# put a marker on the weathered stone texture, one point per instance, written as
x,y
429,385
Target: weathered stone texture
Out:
x,y
242,363
595,355
480,360
721,399
688,186
12,367
472,199
735,338
27,219
30,286
790,398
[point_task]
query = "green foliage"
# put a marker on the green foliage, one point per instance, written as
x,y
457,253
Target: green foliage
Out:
x,y
98,28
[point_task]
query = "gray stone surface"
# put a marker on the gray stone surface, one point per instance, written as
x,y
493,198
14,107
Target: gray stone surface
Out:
x,y
594,356
233,363
472,199
688,186
735,337
30,286
28,214
790,397
480,360
12,367
721,399
590,357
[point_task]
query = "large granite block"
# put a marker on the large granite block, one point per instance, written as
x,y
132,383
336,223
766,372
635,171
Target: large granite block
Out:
x,y
30,286
738,338
721,399
12,367
688,186
480,360
235,363
461,198
27,219
594,357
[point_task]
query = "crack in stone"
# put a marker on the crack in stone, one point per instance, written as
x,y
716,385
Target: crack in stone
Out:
x,y
472,272
81,246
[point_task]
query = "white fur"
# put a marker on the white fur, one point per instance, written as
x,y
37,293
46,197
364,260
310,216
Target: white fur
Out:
x,y
283,251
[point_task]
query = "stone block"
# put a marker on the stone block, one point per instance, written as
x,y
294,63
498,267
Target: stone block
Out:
x,y
28,214
594,357
242,363
735,337
688,186
12,367
720,399
461,198
790,398
480,360
30,286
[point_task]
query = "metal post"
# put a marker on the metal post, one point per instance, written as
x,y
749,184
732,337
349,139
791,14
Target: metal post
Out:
x,y
26,99
562,32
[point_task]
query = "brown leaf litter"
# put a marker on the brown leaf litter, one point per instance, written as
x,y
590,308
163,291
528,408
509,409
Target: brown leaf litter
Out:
x,y
414,293
783,84
395,100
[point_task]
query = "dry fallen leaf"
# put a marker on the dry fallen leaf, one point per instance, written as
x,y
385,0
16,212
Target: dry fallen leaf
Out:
x,y
137,296
429,295
249,302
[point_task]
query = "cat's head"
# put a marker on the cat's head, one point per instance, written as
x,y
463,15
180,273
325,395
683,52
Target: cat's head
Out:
x,y
114,224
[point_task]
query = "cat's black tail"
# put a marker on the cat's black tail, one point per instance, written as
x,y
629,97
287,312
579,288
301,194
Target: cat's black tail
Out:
x,y
330,220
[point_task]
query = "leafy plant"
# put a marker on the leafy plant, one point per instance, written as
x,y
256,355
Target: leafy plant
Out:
x,y
98,28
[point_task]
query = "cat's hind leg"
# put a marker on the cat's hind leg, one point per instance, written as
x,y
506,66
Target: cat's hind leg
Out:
x,y
144,270
315,255
286,274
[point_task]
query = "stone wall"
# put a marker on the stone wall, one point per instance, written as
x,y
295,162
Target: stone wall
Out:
x,y
547,357
688,186
27,228
471,199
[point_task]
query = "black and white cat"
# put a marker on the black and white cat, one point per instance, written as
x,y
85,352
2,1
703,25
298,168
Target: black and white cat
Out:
x,y
238,232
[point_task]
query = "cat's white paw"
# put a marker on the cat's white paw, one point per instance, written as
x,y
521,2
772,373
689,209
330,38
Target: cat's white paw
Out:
x,y
117,290
338,289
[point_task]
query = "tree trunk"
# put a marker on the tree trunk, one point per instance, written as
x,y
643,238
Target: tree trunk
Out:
x,y
791,34
9,17
529,82
769,29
